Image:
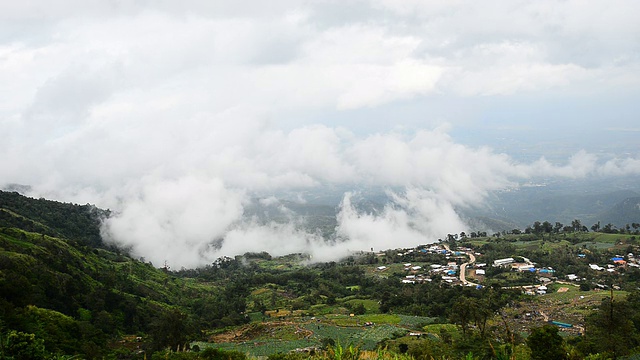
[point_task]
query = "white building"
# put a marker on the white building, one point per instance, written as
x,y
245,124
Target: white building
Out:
x,y
503,262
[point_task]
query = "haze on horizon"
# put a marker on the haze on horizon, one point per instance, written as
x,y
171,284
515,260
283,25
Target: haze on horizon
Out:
x,y
177,115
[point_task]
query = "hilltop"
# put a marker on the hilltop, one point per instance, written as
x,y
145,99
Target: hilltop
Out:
x,y
79,223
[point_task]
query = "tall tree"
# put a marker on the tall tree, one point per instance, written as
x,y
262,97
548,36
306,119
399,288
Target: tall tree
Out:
x,y
577,225
463,313
169,330
557,227
546,344
537,227
611,328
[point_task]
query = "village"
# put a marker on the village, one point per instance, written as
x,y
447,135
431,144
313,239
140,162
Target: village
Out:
x,y
469,267
460,268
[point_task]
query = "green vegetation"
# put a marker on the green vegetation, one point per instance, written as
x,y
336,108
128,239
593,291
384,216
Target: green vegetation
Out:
x,y
65,294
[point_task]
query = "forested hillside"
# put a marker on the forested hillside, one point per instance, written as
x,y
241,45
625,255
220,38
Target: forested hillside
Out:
x,y
79,223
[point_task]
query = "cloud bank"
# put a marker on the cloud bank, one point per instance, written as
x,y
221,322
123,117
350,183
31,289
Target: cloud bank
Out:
x,y
176,116
190,209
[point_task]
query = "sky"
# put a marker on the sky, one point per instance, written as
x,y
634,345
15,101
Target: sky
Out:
x,y
175,115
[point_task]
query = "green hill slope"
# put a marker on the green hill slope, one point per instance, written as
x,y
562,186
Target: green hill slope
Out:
x,y
59,283
77,298
625,212
70,221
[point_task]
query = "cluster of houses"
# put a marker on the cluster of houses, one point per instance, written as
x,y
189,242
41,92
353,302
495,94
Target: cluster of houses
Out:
x,y
417,274
617,262
525,266
448,272
535,289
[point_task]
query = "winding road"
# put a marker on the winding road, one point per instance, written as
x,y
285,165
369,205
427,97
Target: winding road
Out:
x,y
463,267
463,270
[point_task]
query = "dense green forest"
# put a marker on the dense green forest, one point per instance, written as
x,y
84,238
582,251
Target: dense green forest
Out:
x,y
65,294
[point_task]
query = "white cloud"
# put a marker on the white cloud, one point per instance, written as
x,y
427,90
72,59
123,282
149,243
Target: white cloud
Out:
x,y
620,167
176,220
172,114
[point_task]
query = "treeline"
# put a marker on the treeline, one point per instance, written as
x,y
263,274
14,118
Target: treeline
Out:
x,y
539,228
576,226
70,221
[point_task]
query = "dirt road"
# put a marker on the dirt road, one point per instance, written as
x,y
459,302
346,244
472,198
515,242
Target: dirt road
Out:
x,y
463,269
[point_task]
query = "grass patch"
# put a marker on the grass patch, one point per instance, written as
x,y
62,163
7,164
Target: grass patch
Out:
x,y
260,291
256,317
611,238
381,318
437,328
11,239
416,322
573,295
371,306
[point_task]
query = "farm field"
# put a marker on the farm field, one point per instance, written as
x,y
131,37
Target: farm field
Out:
x,y
262,339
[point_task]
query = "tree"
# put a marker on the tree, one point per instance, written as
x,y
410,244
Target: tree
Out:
x,y
359,309
546,344
609,229
596,227
557,227
462,313
59,332
537,227
169,330
585,286
21,346
481,315
611,328
577,225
